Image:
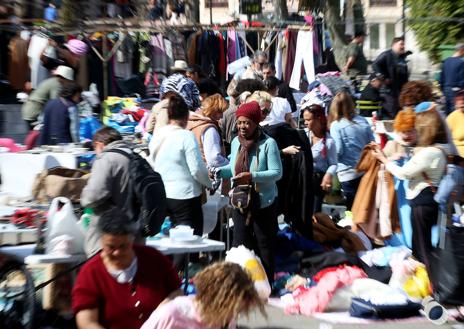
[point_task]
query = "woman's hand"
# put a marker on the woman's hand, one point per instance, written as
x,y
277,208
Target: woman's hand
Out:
x,y
326,183
291,150
377,152
243,178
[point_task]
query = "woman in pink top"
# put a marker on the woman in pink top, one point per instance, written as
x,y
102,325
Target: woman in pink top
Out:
x,y
224,290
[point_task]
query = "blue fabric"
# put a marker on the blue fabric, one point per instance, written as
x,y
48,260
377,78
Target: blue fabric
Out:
x,y
422,107
269,169
126,128
350,138
50,14
450,187
452,73
88,127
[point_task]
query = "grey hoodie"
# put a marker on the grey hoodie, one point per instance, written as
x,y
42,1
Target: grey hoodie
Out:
x,y
107,187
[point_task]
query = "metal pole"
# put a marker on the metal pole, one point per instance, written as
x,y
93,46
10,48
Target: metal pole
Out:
x,y
403,17
211,11
105,66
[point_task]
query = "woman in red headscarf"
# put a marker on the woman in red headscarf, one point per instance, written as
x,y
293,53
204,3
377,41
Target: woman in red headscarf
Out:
x,y
255,161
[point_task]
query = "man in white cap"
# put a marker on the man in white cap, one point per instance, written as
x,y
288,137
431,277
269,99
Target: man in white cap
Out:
x,y
181,84
46,90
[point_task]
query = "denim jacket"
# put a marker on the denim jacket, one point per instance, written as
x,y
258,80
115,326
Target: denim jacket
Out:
x,y
350,138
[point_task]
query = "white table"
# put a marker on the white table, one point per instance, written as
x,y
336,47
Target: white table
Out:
x,y
19,170
167,247
26,254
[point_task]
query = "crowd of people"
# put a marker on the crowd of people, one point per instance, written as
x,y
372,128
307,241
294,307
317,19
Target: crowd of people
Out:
x,y
249,140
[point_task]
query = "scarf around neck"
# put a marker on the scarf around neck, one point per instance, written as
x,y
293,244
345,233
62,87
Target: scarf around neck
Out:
x,y
242,163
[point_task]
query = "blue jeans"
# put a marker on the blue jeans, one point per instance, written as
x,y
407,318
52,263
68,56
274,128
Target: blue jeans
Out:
x,y
449,96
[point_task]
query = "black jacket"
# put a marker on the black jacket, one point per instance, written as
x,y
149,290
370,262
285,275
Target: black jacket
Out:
x,y
286,92
394,68
295,190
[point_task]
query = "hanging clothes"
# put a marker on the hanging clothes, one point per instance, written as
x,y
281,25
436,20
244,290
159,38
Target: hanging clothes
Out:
x,y
38,72
124,56
278,62
159,59
290,54
365,209
302,55
231,46
19,71
178,45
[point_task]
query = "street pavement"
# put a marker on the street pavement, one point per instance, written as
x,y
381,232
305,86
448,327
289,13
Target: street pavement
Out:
x,y
276,319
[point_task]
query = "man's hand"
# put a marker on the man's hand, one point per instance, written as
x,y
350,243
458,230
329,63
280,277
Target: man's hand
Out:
x,y
326,183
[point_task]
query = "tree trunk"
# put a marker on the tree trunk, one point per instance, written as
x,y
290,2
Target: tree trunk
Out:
x,y
192,11
281,10
336,25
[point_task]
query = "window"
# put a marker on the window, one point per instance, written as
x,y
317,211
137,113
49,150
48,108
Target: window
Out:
x,y
390,33
374,36
217,3
383,3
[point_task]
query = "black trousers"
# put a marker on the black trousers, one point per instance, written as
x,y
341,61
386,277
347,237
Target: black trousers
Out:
x,y
260,235
319,193
349,190
424,214
186,212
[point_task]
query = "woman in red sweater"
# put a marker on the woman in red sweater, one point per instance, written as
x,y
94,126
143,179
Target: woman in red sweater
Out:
x,y
121,286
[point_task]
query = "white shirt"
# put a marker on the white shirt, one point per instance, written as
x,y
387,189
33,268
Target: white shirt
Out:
x,y
280,107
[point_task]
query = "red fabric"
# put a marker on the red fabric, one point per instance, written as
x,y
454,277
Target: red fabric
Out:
x,y
31,139
251,111
117,303
222,65
136,115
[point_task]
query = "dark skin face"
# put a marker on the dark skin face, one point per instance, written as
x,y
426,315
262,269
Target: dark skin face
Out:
x,y
246,129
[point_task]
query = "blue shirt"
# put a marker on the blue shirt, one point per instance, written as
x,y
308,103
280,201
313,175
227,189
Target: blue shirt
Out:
x,y
350,138
50,14
265,174
452,73
323,163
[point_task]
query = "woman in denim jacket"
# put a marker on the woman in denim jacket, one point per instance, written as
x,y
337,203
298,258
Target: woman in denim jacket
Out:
x,y
351,132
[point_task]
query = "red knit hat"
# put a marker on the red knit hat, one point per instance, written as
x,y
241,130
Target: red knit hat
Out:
x,y
251,111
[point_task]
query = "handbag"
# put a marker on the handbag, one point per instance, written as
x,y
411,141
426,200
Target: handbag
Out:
x,y
59,182
361,308
243,197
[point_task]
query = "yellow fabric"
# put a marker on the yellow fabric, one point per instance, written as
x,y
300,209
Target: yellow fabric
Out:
x,y
456,124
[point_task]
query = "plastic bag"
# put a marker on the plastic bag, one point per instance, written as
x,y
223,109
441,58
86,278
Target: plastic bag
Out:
x,y
62,223
252,264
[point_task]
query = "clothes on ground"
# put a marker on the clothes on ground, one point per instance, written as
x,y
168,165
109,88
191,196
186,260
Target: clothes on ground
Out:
x,y
125,305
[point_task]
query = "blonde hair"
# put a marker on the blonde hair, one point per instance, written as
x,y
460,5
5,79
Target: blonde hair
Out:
x,y
342,107
213,104
262,97
224,290
430,127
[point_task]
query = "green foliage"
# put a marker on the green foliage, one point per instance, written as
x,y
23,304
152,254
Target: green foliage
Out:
x,y
436,23
70,12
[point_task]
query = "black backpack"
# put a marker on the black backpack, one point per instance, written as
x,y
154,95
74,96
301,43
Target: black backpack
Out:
x,y
147,195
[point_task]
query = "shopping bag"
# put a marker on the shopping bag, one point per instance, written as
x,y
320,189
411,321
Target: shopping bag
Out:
x,y
252,264
63,229
59,182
